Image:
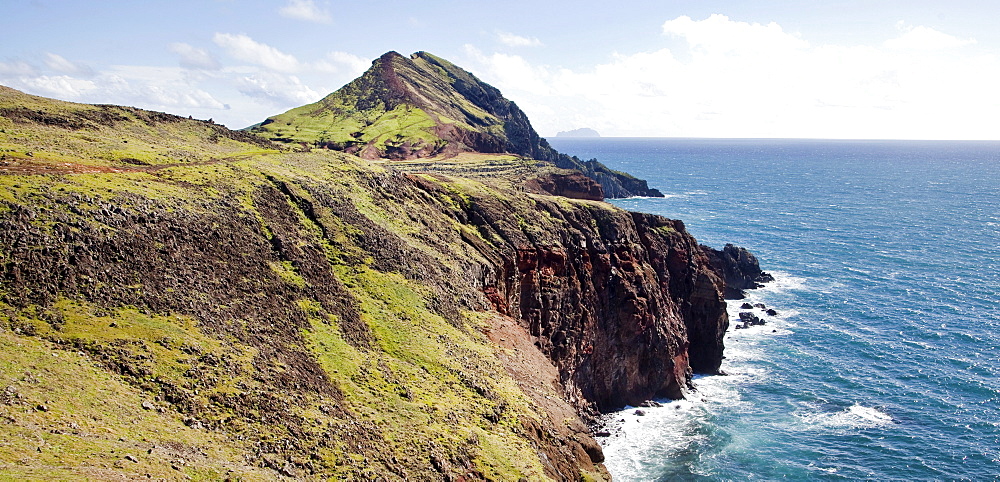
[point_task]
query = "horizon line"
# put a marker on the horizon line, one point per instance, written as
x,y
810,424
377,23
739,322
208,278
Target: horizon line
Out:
x,y
848,139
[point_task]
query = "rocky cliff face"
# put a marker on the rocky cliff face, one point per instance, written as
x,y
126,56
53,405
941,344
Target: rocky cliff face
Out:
x,y
571,185
611,297
622,306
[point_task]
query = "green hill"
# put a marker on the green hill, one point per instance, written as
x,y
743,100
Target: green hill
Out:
x,y
424,106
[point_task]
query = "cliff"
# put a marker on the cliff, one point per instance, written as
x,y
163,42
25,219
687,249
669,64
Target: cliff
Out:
x,y
424,106
179,300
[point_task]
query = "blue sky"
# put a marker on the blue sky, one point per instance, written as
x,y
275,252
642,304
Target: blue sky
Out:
x,y
826,69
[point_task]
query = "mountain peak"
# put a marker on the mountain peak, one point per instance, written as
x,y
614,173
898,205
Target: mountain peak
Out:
x,y
424,106
401,108
392,54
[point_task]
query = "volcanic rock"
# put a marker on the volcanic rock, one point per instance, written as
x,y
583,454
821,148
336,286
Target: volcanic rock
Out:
x,y
739,269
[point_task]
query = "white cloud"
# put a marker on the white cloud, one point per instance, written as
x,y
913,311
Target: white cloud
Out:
x,y
260,80
305,10
513,71
17,68
512,40
170,98
351,61
924,38
280,90
160,88
59,86
739,79
247,49
719,35
157,88
342,62
63,66
193,57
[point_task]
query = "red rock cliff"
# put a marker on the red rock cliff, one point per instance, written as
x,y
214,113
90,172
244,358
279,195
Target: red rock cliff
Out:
x,y
626,305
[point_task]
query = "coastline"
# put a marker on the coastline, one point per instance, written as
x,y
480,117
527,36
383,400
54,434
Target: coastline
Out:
x,y
888,309
672,432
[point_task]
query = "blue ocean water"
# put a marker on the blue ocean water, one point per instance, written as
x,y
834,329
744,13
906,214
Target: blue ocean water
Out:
x,y
883,361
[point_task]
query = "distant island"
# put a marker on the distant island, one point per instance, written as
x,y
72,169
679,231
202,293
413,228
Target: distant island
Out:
x,y
581,132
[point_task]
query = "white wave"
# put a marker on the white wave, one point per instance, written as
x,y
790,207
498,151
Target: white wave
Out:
x,y
854,417
636,442
829,470
639,443
921,344
741,348
784,281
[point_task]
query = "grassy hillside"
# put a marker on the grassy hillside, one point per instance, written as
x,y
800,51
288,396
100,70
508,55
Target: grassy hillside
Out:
x,y
182,301
398,102
109,137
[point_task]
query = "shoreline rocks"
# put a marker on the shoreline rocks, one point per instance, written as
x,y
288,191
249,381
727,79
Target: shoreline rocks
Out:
x,y
739,268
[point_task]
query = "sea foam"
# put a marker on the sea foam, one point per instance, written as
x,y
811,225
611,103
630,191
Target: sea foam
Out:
x,y
856,416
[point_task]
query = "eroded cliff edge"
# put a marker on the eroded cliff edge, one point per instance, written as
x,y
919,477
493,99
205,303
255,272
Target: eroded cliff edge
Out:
x,y
622,305
214,309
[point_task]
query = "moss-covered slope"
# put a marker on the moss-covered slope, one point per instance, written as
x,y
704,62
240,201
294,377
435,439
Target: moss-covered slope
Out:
x,y
215,307
424,106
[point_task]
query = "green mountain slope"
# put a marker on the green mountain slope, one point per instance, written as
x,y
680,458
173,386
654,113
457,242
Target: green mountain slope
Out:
x,y
425,106
181,300
178,301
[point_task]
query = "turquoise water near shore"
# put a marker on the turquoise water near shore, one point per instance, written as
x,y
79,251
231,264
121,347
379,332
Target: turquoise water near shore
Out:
x,y
883,361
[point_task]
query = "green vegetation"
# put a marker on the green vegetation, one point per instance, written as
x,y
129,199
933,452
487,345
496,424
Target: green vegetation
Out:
x,y
45,132
424,107
96,384
429,384
69,415
400,106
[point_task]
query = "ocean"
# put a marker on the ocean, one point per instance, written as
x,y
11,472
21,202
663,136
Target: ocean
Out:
x,y
883,362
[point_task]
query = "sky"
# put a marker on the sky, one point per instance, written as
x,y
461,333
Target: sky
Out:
x,y
852,69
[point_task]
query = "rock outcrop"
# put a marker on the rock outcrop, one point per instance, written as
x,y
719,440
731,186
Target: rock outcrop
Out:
x,y
739,268
572,185
581,132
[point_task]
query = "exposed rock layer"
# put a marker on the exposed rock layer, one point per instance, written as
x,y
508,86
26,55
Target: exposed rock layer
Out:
x,y
612,297
575,185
